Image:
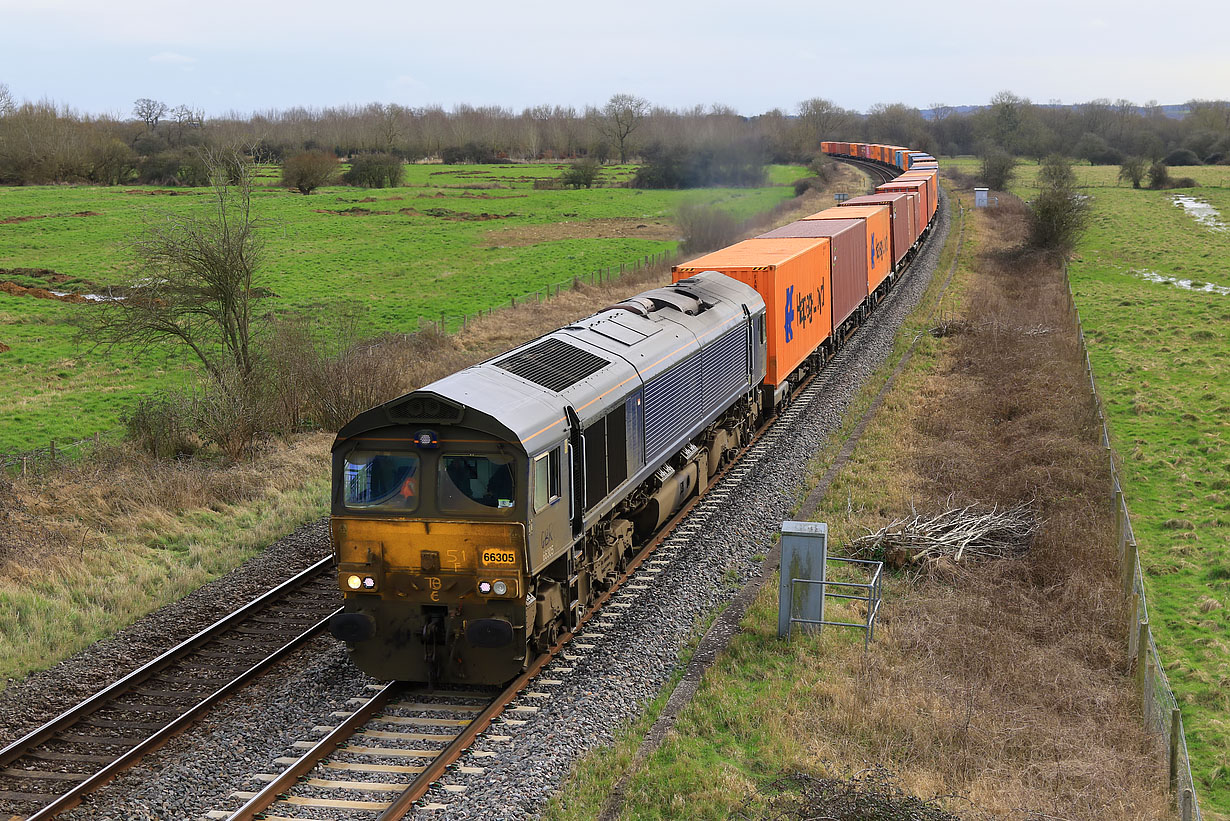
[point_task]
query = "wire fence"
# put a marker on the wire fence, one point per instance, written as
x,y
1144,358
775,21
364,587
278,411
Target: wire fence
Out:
x,y
37,460
1161,712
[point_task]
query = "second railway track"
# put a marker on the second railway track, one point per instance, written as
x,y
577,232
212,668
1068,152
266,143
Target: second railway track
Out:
x,y
50,769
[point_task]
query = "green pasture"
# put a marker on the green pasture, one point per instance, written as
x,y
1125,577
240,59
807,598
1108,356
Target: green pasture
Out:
x,y
1160,353
429,248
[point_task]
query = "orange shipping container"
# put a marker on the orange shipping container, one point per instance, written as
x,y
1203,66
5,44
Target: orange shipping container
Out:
x,y
793,276
878,224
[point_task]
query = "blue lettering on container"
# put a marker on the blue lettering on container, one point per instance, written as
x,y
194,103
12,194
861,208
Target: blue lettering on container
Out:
x,y
873,251
790,313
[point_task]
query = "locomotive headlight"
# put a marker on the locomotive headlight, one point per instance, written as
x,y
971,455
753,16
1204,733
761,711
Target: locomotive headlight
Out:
x,y
499,588
484,587
369,582
354,582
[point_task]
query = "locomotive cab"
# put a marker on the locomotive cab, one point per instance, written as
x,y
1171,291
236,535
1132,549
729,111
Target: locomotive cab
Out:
x,y
431,513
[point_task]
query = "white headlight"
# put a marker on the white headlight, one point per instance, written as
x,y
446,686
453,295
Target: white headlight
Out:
x,y
354,582
499,588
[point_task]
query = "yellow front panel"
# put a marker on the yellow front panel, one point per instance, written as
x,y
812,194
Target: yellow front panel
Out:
x,y
460,545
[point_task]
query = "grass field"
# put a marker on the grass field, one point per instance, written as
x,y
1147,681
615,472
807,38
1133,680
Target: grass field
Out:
x,y
1159,352
452,240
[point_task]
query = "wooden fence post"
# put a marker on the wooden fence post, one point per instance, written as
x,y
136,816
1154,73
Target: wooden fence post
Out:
x,y
1142,653
53,450
25,466
1129,568
1185,807
1176,735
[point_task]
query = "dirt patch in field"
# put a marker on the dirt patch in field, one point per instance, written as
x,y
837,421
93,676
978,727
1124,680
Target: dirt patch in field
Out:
x,y
468,195
377,199
456,216
4,348
169,192
353,212
606,228
11,220
13,289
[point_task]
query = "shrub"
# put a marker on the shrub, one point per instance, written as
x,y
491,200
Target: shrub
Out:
x,y
308,170
680,166
163,425
375,171
1182,156
1132,170
997,169
173,168
1058,215
581,174
1159,175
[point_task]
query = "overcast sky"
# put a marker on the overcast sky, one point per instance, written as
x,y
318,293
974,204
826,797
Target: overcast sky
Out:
x,y
753,55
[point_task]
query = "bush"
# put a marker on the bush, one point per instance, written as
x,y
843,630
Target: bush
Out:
x,y
375,171
173,168
1182,156
1058,215
1159,175
581,174
679,166
705,227
1106,156
308,170
163,425
998,168
1133,170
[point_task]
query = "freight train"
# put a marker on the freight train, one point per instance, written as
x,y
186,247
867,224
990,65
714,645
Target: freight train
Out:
x,y
474,521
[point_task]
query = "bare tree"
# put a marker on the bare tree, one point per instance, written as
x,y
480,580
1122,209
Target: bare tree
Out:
x,y
7,106
621,115
194,282
1133,170
149,111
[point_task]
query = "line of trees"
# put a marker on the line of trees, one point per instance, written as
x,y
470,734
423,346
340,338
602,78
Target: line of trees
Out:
x,y
43,142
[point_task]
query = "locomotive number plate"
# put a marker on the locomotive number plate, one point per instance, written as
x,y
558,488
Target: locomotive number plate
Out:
x,y
500,557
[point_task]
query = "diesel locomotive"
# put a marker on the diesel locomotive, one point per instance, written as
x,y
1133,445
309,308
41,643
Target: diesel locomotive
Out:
x,y
475,520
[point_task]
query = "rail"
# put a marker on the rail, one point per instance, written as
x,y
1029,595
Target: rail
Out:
x,y
27,746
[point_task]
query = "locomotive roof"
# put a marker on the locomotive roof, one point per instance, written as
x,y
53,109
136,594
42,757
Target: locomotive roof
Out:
x,y
590,365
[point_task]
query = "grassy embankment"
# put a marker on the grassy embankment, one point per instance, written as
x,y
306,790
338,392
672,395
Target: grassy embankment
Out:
x,y
1006,683
1159,354
107,540
452,240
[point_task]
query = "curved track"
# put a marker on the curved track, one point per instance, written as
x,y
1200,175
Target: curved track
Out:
x,y
50,769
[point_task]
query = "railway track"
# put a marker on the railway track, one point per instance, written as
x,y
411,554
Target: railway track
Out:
x,y
50,769
880,173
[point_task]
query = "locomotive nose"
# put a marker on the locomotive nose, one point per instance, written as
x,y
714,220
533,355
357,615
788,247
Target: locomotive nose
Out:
x,y
352,627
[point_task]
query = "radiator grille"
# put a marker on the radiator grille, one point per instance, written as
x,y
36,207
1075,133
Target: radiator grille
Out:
x,y
554,364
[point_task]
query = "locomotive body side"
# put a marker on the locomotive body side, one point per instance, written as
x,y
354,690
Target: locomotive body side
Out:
x,y
475,519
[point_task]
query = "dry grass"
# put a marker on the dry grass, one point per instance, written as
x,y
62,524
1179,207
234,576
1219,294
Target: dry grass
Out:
x,y
1011,686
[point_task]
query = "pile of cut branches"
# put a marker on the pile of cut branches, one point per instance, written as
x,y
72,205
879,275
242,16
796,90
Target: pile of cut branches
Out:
x,y
957,534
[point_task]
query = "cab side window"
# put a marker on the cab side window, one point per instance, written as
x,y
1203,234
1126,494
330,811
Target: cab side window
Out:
x,y
546,479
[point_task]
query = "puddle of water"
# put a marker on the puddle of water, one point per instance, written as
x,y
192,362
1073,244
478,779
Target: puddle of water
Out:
x,y
93,297
1200,211
1186,284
